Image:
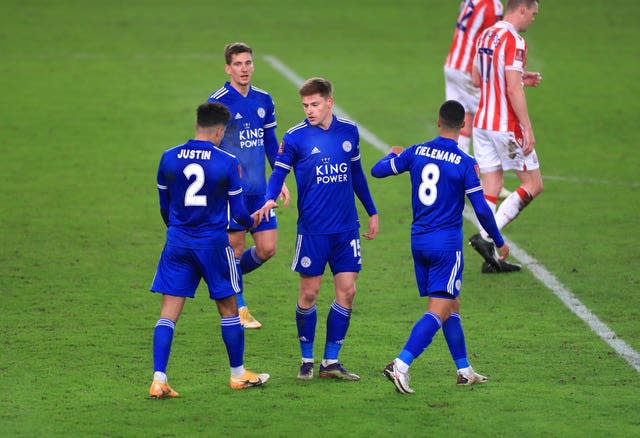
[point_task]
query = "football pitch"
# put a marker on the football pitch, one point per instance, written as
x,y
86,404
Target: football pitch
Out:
x,y
94,92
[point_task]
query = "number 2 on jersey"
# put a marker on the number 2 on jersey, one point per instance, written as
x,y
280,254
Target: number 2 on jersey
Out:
x,y
428,191
191,198
462,20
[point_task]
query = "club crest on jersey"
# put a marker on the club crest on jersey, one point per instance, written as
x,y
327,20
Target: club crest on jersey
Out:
x,y
261,112
305,262
346,146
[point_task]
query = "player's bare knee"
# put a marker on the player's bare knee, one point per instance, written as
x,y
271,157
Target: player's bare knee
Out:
x,y
308,298
265,252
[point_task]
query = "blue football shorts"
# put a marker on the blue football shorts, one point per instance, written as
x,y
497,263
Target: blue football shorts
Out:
x,y
340,250
255,203
180,270
438,272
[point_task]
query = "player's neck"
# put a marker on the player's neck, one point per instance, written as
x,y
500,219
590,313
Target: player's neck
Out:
x,y
453,135
242,89
513,21
326,123
205,136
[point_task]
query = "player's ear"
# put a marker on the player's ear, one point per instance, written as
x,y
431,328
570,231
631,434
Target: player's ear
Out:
x,y
227,69
439,122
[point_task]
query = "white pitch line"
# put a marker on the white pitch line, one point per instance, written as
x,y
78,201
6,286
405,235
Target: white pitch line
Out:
x,y
623,349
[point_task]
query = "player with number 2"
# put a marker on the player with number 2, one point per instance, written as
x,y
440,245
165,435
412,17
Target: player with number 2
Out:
x,y
196,183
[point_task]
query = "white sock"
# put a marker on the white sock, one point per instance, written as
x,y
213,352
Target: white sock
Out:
x,y
237,371
327,362
463,143
509,209
465,371
307,360
160,377
401,366
493,206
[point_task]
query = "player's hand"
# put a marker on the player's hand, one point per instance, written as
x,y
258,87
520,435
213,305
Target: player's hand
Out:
x,y
266,209
373,228
504,251
531,78
397,149
256,219
284,195
529,141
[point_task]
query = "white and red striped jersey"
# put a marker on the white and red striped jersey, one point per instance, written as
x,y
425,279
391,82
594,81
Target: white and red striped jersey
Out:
x,y
474,17
499,48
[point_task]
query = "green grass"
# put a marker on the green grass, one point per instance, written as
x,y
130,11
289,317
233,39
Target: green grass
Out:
x,y
94,92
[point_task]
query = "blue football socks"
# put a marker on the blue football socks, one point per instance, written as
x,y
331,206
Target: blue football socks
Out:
x,y
420,338
250,260
453,333
306,322
337,326
233,337
162,338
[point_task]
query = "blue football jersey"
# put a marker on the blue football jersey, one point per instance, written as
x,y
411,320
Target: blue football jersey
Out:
x,y
322,161
441,176
195,182
245,134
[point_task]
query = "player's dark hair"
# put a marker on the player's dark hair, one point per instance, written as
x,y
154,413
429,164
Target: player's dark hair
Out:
x,y
452,114
316,86
212,114
235,48
513,4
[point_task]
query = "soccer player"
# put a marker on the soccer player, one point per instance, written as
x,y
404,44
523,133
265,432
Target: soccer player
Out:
x,y
324,152
250,136
441,175
196,183
502,133
473,18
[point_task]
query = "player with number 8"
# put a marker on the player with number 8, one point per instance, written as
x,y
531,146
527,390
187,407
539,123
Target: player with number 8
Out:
x,y
441,175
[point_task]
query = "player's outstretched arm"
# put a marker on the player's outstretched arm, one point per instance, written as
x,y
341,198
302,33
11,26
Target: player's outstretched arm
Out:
x,y
385,167
263,213
486,218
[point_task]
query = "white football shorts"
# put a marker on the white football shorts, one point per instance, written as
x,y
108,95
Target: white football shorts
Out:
x,y
494,150
458,86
